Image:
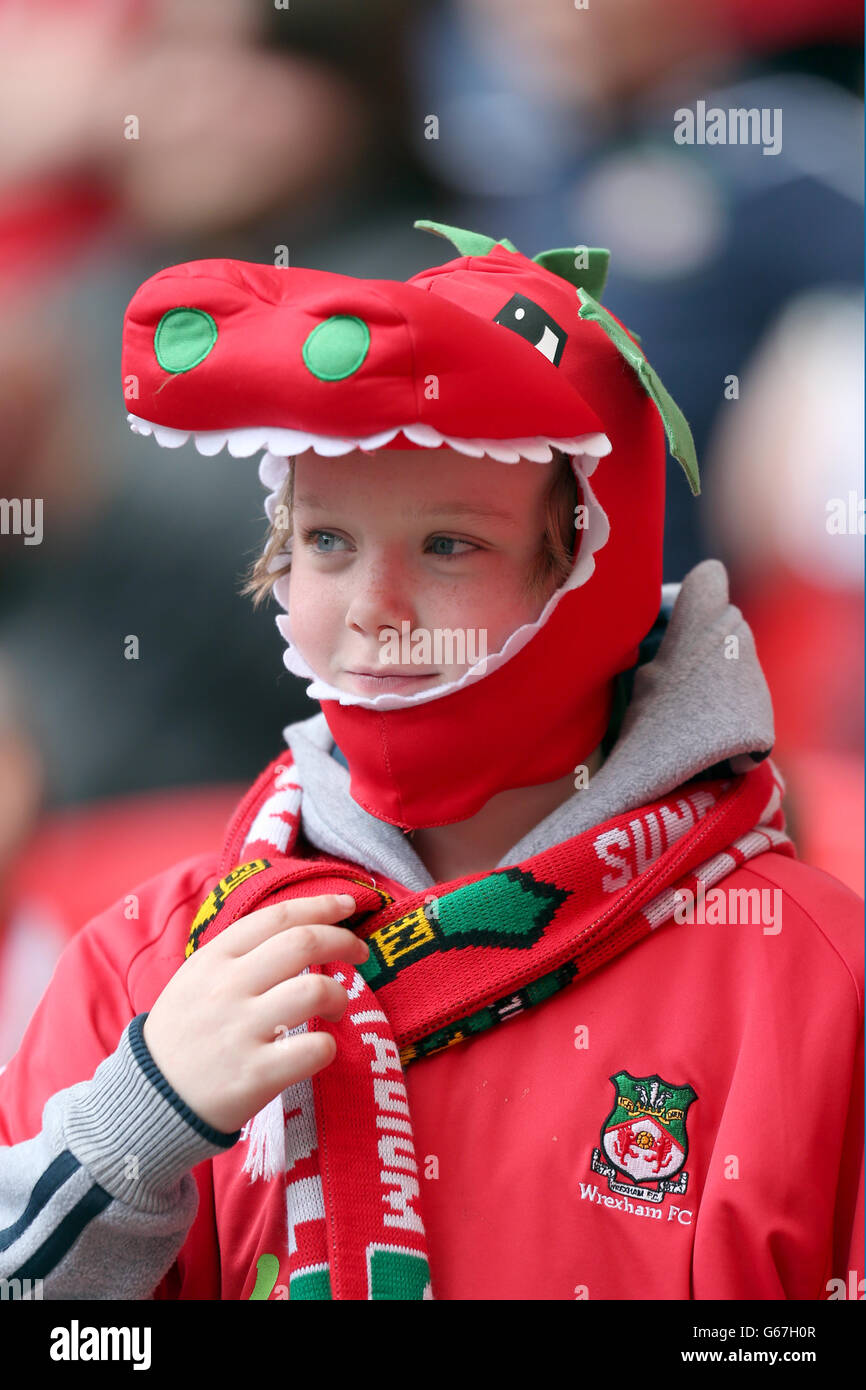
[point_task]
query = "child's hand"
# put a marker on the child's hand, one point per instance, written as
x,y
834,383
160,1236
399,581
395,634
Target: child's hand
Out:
x,y
217,1032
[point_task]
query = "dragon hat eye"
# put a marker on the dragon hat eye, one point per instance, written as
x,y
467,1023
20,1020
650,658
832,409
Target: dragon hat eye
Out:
x,y
530,321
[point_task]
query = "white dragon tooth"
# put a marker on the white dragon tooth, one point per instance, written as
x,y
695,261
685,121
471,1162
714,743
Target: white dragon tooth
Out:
x,y
168,438
284,441
333,448
281,444
425,435
244,442
499,449
375,441
473,447
536,449
596,444
210,442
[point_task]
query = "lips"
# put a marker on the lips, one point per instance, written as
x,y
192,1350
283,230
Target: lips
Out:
x,y
384,671
394,680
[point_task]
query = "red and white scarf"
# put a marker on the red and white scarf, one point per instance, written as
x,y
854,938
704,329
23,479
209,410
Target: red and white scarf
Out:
x,y
445,964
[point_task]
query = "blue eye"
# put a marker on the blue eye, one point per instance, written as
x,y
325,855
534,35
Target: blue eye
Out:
x,y
327,543
451,554
311,535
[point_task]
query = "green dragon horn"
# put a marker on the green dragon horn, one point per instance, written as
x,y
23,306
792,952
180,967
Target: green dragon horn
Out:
x,y
584,266
680,440
467,243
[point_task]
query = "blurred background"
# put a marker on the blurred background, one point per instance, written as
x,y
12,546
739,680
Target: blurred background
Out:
x,y
305,125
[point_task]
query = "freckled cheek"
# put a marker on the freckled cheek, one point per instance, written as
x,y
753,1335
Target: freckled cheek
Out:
x,y
450,605
496,605
511,611
316,607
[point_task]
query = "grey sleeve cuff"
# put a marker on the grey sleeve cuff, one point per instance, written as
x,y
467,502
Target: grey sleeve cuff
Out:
x,y
131,1130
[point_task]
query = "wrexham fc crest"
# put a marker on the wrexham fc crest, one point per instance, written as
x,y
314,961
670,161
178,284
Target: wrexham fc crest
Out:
x,y
644,1137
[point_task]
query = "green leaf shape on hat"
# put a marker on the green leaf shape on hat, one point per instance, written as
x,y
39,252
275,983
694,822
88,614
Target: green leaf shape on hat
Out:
x,y
467,243
680,440
561,260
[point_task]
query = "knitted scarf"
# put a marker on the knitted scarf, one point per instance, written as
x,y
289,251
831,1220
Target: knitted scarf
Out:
x,y
444,965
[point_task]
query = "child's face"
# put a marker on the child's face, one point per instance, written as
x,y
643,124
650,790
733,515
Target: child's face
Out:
x,y
384,539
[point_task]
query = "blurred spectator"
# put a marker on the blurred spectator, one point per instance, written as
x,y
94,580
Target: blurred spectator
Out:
x,y
21,771
58,869
170,119
786,502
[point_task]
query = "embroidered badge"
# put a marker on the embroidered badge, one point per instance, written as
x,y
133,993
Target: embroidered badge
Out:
x,y
644,1137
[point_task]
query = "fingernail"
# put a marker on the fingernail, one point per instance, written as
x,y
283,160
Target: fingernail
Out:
x,y
345,900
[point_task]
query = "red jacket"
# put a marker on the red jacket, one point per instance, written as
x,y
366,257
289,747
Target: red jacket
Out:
x,y
507,1124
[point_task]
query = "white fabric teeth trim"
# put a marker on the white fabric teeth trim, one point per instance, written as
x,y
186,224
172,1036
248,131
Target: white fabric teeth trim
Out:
x,y
283,443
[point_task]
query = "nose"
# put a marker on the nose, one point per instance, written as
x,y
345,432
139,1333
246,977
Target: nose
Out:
x,y
380,598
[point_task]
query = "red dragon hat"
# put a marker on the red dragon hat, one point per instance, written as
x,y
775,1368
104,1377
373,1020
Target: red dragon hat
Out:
x,y
525,360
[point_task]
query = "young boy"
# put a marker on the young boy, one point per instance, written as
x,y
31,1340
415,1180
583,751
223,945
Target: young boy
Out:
x,y
584,1027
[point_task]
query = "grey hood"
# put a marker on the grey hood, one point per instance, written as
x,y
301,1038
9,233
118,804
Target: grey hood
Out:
x,y
701,704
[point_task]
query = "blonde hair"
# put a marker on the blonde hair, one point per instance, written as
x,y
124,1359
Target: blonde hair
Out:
x,y
549,570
